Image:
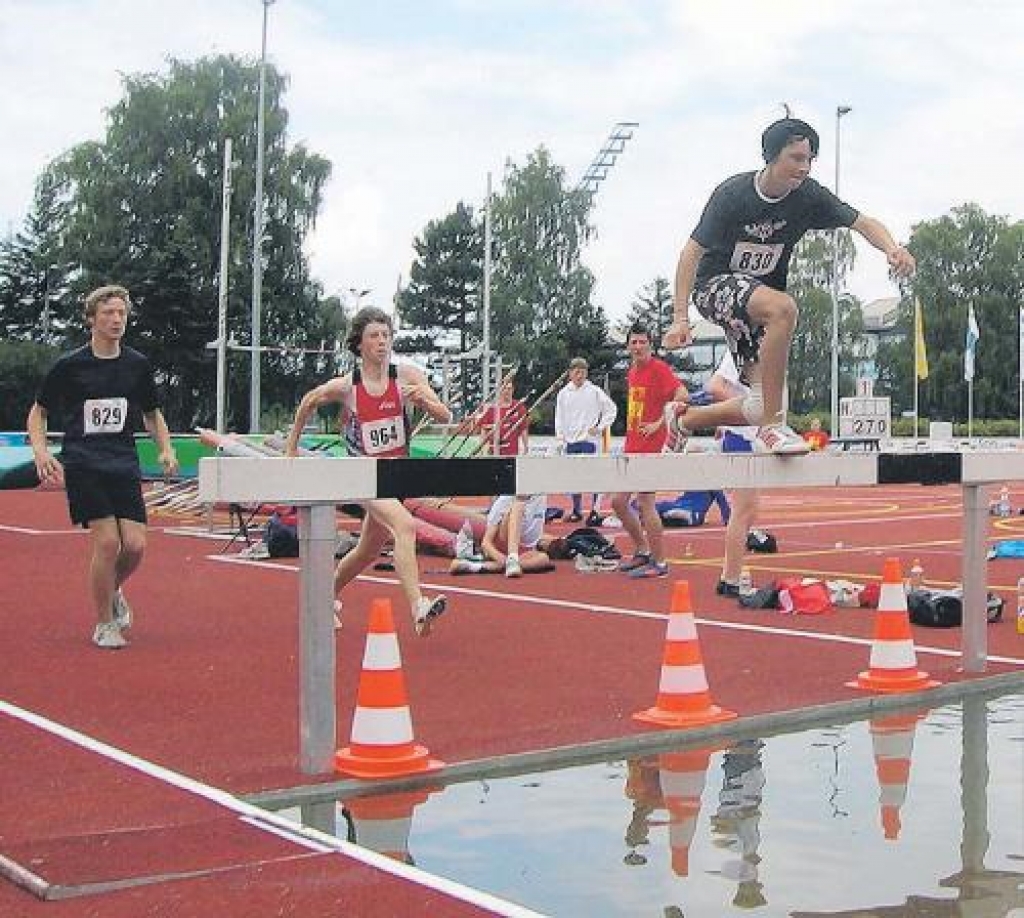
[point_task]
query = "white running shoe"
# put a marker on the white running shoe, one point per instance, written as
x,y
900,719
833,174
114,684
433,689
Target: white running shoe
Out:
x,y
780,440
463,566
426,611
512,567
108,636
464,546
122,611
678,435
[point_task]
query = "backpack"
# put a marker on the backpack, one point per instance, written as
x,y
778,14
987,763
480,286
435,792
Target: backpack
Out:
x,y
590,543
282,535
759,540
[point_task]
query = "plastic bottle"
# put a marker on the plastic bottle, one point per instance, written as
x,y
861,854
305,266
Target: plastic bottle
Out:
x,y
747,582
1020,606
916,580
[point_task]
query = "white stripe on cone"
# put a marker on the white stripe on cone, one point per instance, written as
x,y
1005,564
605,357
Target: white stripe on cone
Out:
x,y
382,726
683,680
682,626
893,655
382,652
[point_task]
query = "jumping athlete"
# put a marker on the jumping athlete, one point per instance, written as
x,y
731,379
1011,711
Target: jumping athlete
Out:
x,y
735,266
374,397
97,393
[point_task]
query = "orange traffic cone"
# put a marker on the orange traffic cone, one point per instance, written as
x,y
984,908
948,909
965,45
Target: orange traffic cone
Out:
x,y
383,823
893,741
683,696
683,775
382,744
893,664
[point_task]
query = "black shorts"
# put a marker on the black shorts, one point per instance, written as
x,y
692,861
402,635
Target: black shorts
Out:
x,y
97,495
723,299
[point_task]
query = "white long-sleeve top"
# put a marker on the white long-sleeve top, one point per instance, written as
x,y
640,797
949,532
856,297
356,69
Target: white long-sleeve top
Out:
x,y
580,409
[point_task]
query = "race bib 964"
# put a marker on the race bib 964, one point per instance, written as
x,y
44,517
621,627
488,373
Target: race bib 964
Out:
x,y
383,435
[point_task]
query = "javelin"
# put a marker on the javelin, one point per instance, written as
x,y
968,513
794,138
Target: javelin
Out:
x,y
536,404
468,423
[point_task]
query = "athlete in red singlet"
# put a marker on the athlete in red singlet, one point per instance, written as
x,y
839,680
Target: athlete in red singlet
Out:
x,y
373,399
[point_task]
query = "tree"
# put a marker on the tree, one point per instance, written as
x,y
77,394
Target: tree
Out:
x,y
652,308
32,277
810,357
542,311
141,208
967,256
445,281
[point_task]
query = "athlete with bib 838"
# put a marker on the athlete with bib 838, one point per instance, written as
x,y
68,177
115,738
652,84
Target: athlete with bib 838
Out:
x,y
735,265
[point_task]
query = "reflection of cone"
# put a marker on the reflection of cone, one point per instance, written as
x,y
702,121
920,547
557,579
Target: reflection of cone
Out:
x,y
893,741
382,743
682,783
683,696
382,824
893,665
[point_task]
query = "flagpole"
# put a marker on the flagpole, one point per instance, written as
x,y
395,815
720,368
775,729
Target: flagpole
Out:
x,y
970,409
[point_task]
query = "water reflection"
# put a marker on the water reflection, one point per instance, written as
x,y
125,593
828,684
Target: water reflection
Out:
x,y
762,823
736,823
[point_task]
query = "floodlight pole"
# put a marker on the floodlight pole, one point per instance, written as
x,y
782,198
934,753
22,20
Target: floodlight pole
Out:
x,y
257,238
834,429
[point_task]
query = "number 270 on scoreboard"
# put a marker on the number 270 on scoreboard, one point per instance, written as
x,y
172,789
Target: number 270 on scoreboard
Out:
x,y
867,418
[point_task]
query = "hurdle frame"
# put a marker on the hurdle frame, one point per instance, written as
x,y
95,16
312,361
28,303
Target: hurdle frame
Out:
x,y
315,485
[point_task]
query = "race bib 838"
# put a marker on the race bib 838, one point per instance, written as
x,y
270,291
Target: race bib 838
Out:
x,y
755,258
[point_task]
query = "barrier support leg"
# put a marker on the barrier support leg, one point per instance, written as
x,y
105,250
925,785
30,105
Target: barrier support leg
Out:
x,y
974,633
318,738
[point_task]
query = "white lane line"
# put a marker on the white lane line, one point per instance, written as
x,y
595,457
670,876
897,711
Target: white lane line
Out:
x,y
629,613
268,821
19,530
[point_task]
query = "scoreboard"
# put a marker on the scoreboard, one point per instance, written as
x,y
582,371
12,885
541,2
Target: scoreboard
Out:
x,y
865,417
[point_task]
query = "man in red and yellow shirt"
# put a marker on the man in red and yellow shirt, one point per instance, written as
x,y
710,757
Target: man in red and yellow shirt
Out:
x,y
651,386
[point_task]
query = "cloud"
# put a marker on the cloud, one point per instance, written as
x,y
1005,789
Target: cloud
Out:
x,y
415,103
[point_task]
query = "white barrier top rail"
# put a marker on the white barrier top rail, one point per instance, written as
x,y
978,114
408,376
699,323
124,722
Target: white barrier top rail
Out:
x,y
311,480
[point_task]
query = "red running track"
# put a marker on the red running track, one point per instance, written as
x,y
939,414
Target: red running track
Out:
x,y
208,687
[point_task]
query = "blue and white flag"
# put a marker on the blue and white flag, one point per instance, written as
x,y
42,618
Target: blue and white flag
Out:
x,y
972,343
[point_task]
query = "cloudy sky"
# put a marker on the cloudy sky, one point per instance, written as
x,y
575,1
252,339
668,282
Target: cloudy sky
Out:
x,y
415,101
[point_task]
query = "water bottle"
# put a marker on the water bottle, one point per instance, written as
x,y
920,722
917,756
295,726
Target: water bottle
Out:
x,y
916,575
1020,606
1004,502
747,582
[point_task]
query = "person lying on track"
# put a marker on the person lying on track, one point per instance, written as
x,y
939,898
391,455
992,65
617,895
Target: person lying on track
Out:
x,y
519,523
374,398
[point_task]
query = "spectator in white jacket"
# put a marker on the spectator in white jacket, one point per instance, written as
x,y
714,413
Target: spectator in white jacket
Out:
x,y
583,412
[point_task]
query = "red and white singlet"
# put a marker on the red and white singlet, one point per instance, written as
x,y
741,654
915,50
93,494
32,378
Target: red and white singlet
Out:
x,y
377,425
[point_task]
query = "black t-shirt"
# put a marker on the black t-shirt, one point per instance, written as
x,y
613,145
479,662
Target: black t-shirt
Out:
x,y
99,404
746,233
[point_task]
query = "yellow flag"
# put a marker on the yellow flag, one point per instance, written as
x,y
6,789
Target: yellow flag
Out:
x,y
920,354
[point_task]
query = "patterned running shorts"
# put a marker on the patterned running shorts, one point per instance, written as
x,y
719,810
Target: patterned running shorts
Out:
x,y
723,300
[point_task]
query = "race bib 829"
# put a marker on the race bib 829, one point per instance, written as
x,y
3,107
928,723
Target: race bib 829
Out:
x,y
104,415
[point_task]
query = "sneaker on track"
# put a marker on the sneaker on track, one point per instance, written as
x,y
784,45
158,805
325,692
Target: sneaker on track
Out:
x,y
122,611
108,636
427,610
651,571
724,588
780,440
512,567
637,561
